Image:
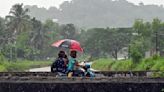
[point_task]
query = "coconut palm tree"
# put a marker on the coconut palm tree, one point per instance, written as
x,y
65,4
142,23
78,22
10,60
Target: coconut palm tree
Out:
x,y
17,21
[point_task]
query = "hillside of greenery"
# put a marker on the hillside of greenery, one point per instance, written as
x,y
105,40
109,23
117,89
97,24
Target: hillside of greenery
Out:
x,y
98,13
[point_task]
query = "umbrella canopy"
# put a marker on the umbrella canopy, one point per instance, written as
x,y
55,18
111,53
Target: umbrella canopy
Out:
x,y
68,43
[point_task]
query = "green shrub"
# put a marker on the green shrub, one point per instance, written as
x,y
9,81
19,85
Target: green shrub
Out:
x,y
102,64
122,66
2,58
12,67
146,64
158,65
2,68
162,68
137,50
125,65
155,57
136,56
24,65
158,74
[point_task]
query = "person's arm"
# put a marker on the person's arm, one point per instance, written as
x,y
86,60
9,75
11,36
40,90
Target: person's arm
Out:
x,y
65,61
77,64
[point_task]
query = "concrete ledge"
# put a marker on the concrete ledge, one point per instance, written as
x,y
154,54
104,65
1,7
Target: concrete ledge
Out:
x,y
81,87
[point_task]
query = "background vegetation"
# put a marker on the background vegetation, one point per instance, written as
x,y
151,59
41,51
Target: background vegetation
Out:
x,y
24,38
98,13
128,65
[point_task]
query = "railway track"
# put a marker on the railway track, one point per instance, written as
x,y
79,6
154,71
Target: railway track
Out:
x,y
129,73
98,73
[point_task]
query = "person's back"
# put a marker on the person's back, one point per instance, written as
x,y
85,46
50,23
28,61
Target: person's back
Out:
x,y
59,64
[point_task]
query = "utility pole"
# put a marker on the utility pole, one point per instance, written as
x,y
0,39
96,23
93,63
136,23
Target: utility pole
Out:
x,y
156,42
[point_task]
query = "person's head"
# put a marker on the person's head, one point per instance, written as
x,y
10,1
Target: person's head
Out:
x,y
61,54
65,56
73,54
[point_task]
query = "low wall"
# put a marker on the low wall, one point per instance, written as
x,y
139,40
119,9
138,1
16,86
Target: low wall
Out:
x,y
80,87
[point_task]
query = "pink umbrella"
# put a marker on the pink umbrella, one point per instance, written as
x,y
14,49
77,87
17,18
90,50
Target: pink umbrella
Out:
x,y
68,43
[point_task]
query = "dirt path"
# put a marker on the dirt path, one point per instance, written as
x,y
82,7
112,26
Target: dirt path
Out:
x,y
43,69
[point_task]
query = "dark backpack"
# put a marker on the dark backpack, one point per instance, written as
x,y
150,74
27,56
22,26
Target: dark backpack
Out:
x,y
58,66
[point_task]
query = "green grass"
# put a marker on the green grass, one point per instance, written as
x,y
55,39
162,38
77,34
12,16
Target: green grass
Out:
x,y
145,64
22,65
112,65
102,64
122,65
2,68
159,64
125,65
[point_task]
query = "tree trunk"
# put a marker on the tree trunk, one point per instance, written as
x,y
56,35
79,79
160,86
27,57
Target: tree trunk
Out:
x,y
114,54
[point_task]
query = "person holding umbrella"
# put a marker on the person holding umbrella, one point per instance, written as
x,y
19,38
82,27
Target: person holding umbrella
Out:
x,y
73,65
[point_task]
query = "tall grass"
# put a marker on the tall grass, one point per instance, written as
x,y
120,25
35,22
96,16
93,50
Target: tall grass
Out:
x,y
102,64
145,64
2,68
22,65
159,64
125,65
122,65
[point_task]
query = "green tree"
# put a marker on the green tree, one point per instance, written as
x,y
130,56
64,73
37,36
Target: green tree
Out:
x,y
68,31
2,33
156,24
22,45
143,30
119,38
95,40
52,30
18,19
17,22
38,39
137,50
103,42
157,38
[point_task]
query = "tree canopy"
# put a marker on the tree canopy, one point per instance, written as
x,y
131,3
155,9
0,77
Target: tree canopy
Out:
x,y
26,37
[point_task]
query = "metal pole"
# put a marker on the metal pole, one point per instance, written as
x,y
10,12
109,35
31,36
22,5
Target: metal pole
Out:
x,y
156,42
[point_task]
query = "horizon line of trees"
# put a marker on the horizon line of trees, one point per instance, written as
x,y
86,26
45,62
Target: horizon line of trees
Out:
x,y
25,37
28,38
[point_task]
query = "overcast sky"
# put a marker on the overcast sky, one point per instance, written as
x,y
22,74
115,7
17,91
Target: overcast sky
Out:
x,y
5,5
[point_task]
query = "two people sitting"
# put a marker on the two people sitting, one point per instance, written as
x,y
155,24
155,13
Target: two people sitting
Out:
x,y
67,66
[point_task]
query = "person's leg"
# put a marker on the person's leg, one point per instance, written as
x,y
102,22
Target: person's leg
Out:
x,y
79,73
69,73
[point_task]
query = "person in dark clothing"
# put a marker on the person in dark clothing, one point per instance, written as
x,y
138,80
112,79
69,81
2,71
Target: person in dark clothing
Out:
x,y
60,64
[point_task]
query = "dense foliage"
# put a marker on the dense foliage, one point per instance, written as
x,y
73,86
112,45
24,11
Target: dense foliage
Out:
x,y
25,37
